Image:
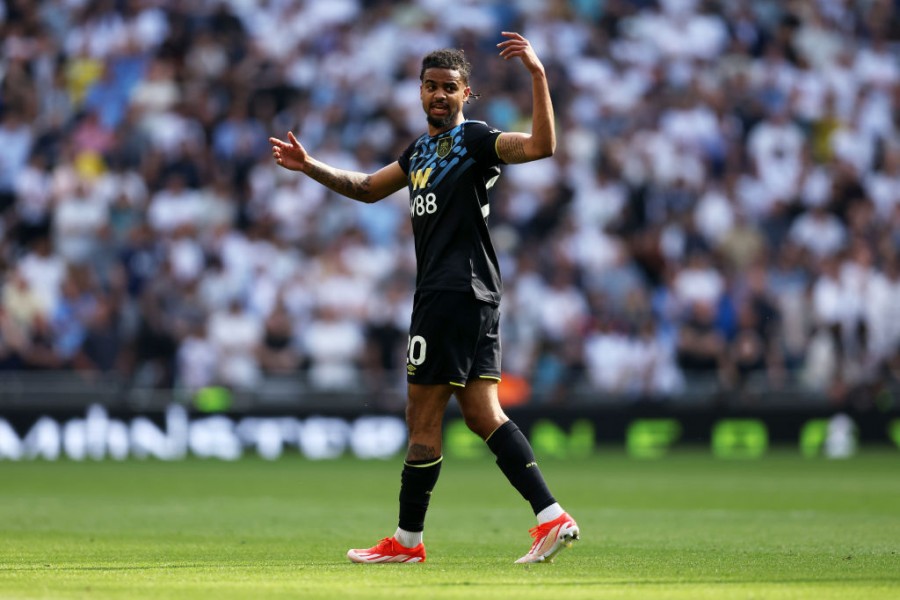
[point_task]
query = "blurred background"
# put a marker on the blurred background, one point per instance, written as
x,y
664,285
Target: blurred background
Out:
x,y
720,224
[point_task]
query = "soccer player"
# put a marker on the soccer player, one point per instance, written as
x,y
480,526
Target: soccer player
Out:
x,y
454,342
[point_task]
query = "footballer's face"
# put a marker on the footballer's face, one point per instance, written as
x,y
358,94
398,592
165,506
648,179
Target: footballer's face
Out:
x,y
443,94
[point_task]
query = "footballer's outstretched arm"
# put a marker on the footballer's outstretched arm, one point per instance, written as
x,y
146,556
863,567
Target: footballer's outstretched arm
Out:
x,y
292,155
541,142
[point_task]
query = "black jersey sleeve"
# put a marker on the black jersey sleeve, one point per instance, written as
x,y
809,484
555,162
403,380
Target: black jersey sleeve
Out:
x,y
481,142
404,158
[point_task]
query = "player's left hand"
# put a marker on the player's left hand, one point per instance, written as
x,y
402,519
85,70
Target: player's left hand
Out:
x,y
517,45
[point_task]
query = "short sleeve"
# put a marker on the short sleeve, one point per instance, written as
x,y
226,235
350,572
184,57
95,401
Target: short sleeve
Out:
x,y
481,142
404,157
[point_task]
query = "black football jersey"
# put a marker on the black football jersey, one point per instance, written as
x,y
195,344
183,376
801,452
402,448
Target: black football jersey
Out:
x,y
449,177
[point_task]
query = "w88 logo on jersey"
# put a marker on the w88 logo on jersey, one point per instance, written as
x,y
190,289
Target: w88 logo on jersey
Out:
x,y
423,205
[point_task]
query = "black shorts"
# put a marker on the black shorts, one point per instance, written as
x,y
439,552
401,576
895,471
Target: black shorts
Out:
x,y
453,338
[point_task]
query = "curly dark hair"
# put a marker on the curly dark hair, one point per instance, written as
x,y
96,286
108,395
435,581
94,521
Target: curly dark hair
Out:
x,y
447,58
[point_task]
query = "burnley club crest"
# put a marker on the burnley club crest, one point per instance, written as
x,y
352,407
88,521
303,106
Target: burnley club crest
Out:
x,y
444,146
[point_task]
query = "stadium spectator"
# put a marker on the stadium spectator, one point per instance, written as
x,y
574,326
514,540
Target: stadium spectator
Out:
x,y
334,343
702,346
819,232
16,141
197,361
32,211
21,304
279,351
155,346
102,347
80,220
44,270
236,334
699,281
13,341
174,205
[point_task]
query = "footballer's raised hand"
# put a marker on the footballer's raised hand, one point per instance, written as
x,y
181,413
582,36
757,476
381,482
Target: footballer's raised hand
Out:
x,y
516,147
290,154
517,45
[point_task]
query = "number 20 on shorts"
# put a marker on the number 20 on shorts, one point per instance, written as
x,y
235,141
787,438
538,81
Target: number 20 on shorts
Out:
x,y
415,350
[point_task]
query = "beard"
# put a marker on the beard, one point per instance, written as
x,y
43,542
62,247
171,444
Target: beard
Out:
x,y
442,122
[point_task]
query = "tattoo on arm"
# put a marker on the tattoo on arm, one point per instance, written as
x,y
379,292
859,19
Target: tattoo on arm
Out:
x,y
511,149
347,183
421,452
354,187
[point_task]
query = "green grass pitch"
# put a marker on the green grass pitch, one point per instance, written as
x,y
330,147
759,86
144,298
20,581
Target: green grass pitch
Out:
x,y
686,526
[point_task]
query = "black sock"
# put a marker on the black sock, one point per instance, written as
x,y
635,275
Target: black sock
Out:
x,y
516,459
416,483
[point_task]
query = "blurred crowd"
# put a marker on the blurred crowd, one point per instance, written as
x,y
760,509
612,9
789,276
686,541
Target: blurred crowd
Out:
x,y
722,213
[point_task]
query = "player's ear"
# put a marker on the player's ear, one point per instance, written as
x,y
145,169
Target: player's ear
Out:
x,y
466,93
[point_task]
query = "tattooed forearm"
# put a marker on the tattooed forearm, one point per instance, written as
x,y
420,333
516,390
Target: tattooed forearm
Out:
x,y
347,183
421,452
511,149
352,185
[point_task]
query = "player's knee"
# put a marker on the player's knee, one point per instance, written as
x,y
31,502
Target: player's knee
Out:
x,y
481,425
